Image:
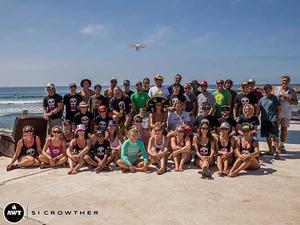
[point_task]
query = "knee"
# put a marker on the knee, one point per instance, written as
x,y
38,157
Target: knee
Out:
x,y
87,158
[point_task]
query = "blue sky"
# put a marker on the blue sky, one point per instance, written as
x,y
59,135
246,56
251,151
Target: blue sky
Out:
x,y
65,41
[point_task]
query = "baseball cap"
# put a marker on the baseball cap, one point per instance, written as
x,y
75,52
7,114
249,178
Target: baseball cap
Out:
x,y
158,77
251,81
267,86
125,82
244,83
245,126
225,125
50,85
72,85
203,121
100,132
112,123
82,105
80,127
203,83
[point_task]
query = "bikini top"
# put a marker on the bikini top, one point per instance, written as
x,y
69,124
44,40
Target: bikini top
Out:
x,y
244,150
157,146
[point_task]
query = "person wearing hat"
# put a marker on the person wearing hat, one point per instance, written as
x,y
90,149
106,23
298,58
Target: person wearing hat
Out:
x,y
99,153
225,147
84,117
205,108
228,86
139,97
101,121
146,85
53,107
97,100
71,102
287,97
205,96
248,117
247,151
158,89
109,92
127,91
225,117
177,80
195,86
245,97
129,154
254,90
204,146
86,92
78,148
270,108
222,97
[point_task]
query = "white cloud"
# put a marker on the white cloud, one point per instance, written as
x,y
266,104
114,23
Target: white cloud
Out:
x,y
159,35
93,29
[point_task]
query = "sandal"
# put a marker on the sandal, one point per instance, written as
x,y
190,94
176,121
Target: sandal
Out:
x,y
11,167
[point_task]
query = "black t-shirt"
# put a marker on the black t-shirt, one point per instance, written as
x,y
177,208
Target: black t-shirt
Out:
x,y
190,100
213,122
121,105
95,102
174,98
100,150
253,121
242,99
229,120
71,102
129,93
85,119
102,123
50,103
170,89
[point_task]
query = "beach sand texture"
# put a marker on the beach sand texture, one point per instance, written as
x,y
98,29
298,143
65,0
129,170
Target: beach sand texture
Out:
x,y
267,196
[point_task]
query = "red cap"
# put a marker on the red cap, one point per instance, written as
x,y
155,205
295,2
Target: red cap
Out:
x,y
102,108
203,82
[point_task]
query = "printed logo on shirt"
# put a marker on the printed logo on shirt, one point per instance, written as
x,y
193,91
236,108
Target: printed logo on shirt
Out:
x,y
51,104
73,103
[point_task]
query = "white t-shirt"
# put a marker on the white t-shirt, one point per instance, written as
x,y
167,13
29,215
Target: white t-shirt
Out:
x,y
174,120
286,108
159,92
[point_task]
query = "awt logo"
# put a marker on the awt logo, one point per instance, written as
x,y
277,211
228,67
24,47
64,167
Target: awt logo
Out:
x,y
13,212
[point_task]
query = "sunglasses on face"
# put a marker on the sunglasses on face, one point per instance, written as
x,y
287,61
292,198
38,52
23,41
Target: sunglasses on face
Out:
x,y
219,83
204,128
28,131
138,121
187,88
225,129
57,132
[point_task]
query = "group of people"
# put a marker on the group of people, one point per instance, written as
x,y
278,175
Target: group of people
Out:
x,y
158,124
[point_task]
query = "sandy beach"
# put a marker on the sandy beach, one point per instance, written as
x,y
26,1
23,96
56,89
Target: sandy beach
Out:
x,y
266,196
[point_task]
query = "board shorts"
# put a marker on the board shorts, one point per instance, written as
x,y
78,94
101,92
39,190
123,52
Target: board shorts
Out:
x,y
269,129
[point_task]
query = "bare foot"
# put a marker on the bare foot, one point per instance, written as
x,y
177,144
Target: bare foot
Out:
x,y
181,170
176,170
70,171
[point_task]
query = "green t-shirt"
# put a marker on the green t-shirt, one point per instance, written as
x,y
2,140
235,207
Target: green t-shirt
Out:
x,y
222,98
139,100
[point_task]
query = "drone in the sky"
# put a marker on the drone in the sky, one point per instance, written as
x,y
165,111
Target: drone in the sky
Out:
x,y
137,46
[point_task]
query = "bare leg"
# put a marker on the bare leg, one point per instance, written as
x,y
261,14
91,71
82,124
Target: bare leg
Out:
x,y
243,166
269,142
176,161
90,161
71,164
254,164
182,161
236,165
78,166
61,161
122,164
276,144
26,161
283,134
140,168
220,164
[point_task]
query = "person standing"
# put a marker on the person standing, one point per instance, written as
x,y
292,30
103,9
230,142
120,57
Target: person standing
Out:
x,y
71,101
139,98
127,91
222,97
287,97
146,84
228,86
191,100
270,109
109,92
243,98
177,80
84,117
97,100
159,90
86,92
195,87
53,107
253,89
205,96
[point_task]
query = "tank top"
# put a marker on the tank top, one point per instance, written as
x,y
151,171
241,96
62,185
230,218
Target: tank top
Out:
x,y
54,150
115,143
204,150
29,151
157,146
244,150
77,149
224,148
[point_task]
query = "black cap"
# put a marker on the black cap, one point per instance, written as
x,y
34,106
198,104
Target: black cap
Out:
x,y
100,132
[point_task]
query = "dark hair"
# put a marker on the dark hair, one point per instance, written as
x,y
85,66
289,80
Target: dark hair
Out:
x,y
209,135
146,78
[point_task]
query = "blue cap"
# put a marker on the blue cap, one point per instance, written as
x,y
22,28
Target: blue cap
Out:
x,y
267,86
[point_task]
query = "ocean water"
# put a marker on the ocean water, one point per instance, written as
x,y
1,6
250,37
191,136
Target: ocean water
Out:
x,y
13,100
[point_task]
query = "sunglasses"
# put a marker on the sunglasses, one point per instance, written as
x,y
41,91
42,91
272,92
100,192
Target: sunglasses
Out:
x,y
57,132
102,111
206,108
138,121
180,131
224,129
28,131
204,128
225,110
219,83
187,88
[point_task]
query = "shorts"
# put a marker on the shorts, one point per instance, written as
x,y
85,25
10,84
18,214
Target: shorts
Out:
x,y
284,122
269,129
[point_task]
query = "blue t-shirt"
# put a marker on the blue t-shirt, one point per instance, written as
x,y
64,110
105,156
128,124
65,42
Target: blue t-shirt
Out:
x,y
268,107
